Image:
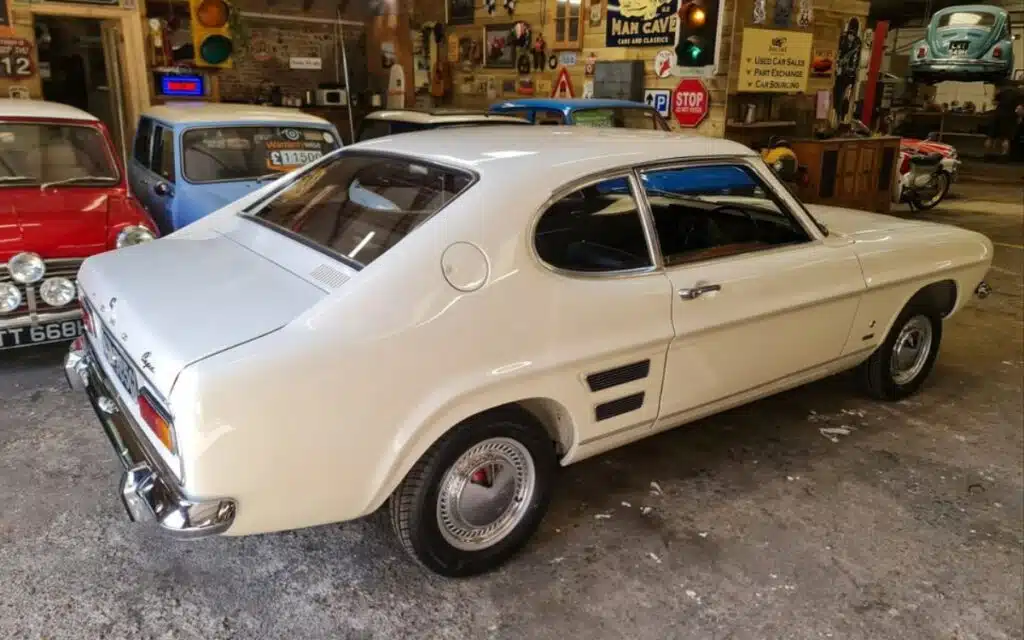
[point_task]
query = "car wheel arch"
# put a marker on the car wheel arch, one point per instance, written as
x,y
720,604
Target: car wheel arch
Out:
x,y
550,414
943,293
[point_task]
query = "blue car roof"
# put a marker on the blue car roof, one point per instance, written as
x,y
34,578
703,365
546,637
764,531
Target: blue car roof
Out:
x,y
568,104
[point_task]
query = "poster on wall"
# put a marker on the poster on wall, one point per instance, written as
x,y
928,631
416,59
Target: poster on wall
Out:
x,y
847,63
641,23
16,58
774,61
460,11
823,63
499,49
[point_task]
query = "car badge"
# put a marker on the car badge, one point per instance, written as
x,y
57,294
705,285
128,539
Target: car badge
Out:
x,y
124,337
146,364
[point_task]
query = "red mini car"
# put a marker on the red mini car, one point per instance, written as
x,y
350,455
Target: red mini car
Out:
x,y
63,198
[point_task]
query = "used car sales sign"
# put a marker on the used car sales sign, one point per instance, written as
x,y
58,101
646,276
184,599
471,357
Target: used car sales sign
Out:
x,y
641,23
774,61
16,58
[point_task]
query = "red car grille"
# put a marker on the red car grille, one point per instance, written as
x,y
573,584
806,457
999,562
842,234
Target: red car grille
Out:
x,y
64,268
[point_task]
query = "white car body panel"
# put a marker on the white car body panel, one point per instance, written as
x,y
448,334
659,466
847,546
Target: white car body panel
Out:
x,y
319,418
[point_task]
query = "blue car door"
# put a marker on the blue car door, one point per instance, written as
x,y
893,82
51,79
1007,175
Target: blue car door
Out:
x,y
160,182
139,163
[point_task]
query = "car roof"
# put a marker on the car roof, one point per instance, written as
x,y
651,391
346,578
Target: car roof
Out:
x,y
969,8
550,156
16,108
209,112
440,116
569,103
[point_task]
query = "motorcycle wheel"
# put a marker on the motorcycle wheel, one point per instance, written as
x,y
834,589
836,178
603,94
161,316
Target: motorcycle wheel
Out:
x,y
942,183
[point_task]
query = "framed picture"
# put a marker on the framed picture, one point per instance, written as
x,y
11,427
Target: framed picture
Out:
x,y
499,51
461,11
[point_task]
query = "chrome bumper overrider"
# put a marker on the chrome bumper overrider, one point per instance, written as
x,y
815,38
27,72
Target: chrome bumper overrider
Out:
x,y
148,488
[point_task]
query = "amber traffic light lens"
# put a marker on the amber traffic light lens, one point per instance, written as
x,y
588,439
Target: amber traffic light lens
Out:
x,y
697,17
212,14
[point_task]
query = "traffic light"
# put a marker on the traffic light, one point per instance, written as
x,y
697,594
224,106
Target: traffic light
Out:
x,y
698,33
211,34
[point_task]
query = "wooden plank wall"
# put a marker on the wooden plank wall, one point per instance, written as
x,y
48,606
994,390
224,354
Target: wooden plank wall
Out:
x,y
533,13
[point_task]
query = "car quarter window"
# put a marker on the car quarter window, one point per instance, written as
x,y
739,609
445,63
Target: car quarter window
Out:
x,y
143,138
713,211
595,229
373,128
548,116
163,153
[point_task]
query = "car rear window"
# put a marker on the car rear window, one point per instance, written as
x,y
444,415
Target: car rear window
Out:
x,y
968,19
357,206
217,154
617,118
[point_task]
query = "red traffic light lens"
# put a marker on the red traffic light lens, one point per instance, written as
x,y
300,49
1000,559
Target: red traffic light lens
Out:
x,y
212,14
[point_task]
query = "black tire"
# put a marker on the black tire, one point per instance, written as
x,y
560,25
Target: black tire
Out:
x,y
876,373
414,504
945,181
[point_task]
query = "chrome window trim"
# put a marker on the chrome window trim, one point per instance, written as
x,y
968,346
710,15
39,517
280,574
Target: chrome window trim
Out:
x,y
813,235
576,185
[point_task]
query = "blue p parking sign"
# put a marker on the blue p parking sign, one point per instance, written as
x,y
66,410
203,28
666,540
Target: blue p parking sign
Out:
x,y
659,99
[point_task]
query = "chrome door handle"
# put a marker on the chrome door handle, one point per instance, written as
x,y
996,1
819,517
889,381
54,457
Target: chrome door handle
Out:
x,y
698,291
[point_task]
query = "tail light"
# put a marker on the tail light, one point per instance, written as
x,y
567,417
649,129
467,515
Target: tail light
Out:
x,y
156,421
87,317
921,51
997,52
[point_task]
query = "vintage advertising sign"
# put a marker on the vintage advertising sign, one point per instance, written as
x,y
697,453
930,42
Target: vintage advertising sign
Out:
x,y
641,23
16,58
774,61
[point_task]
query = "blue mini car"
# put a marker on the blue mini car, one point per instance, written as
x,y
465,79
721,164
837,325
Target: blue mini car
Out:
x,y
964,43
190,159
618,114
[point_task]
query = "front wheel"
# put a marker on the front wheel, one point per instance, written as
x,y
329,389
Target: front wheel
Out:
x,y
477,495
900,365
941,185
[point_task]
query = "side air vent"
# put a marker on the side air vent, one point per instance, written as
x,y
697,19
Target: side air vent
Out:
x,y
618,407
329,277
619,375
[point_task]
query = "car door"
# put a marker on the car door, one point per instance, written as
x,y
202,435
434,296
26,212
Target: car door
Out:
x,y
160,182
139,163
759,293
610,306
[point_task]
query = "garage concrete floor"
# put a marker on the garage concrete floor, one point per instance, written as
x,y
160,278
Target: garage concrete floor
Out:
x,y
815,514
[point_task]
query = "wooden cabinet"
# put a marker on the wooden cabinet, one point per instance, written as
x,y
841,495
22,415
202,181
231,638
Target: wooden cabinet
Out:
x,y
849,172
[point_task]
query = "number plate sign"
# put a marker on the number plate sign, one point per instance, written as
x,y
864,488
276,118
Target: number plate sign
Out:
x,y
121,366
40,334
958,49
16,58
293,158
690,102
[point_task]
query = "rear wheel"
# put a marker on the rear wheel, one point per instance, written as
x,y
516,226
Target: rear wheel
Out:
x,y
901,364
477,495
936,193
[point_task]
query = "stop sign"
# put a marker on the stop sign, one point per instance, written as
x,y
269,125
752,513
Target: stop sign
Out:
x,y
690,102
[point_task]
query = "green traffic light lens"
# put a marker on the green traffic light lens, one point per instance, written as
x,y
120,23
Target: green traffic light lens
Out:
x,y
695,53
215,49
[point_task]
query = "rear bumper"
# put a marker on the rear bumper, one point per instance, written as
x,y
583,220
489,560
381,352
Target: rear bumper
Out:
x,y
149,490
955,66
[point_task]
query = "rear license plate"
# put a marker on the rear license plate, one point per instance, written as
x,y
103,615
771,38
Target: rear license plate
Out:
x,y
121,365
40,334
958,48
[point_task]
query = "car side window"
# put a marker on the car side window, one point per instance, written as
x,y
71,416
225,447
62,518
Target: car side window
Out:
x,y
143,138
714,211
595,229
163,153
548,116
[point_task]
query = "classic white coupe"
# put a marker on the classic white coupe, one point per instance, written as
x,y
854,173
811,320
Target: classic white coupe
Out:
x,y
437,321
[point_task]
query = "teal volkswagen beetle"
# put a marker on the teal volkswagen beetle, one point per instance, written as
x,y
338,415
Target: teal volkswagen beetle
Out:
x,y
964,43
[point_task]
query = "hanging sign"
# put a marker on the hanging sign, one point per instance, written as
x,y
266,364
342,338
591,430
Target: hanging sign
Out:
x,y
664,60
659,100
690,102
306,64
16,58
775,61
563,85
641,23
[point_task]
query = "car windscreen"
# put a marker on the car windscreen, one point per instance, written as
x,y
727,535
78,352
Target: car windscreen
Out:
x,y
617,118
38,153
217,154
357,206
967,19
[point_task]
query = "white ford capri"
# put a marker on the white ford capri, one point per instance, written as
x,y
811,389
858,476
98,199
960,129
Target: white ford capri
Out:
x,y
437,321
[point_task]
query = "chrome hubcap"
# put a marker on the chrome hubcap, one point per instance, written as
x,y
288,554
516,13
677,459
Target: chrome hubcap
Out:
x,y
913,345
485,494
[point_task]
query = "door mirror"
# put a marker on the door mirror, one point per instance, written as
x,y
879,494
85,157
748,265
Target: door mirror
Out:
x,y
162,189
